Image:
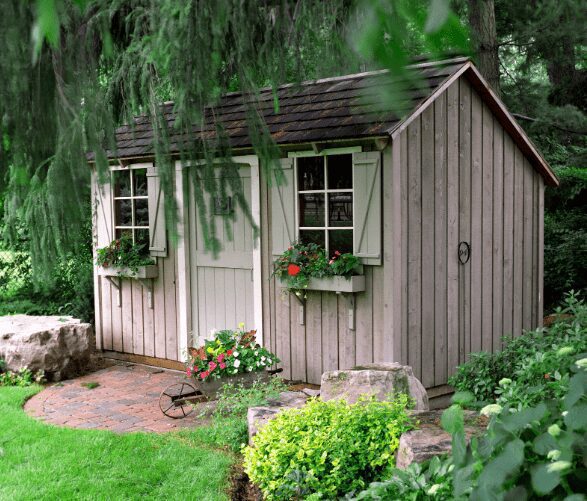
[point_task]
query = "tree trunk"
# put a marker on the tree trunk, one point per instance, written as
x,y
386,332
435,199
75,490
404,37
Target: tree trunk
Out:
x,y
483,31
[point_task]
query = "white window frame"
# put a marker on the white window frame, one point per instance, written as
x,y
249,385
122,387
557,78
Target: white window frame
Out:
x,y
326,228
132,197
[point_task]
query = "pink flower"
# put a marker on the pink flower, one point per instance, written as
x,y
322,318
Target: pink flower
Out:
x,y
221,357
222,365
204,374
331,261
189,372
212,366
229,352
336,253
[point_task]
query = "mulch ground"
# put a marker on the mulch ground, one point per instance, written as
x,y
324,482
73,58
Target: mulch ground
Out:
x,y
126,399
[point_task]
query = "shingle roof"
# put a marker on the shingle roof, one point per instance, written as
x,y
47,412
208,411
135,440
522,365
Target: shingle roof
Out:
x,y
320,110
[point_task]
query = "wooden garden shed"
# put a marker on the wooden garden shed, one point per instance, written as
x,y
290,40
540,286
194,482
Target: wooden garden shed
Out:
x,y
444,207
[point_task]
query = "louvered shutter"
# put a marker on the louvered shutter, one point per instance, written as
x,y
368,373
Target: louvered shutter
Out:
x,y
283,231
367,206
157,229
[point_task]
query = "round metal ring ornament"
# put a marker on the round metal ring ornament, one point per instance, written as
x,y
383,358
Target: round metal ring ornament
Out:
x,y
464,252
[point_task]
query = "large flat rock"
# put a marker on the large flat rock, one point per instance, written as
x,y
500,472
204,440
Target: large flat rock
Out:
x,y
60,346
379,380
429,439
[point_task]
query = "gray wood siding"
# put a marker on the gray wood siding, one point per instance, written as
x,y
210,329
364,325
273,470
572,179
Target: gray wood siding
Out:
x,y
453,174
133,327
465,180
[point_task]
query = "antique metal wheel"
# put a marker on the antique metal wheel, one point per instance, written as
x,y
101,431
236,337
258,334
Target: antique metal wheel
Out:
x,y
174,400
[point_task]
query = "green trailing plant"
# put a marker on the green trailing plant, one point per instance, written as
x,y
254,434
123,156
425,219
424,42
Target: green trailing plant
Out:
x,y
535,366
326,449
300,262
124,253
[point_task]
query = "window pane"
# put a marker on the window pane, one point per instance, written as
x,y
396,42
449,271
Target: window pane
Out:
x,y
340,209
141,212
142,238
310,173
123,209
313,237
140,182
312,209
121,180
340,172
120,232
341,241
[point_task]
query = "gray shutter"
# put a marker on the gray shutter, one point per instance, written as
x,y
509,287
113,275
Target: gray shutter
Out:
x,y
367,206
157,232
104,221
283,231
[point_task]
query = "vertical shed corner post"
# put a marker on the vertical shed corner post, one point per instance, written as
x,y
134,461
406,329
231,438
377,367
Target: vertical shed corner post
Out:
x,y
183,262
352,307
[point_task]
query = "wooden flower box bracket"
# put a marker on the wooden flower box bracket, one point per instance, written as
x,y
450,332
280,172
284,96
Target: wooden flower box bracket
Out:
x,y
144,274
347,286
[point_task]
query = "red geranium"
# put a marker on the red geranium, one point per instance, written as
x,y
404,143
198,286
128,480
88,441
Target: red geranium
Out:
x,y
293,270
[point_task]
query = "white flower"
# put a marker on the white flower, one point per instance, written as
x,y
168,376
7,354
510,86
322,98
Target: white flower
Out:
x,y
582,364
505,381
558,466
237,363
491,409
262,359
250,369
235,354
433,489
256,353
554,430
554,455
212,334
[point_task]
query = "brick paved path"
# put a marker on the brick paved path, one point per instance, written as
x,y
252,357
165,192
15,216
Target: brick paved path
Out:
x,y
127,400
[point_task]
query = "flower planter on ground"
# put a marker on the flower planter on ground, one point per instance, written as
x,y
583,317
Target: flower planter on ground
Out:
x,y
356,283
211,387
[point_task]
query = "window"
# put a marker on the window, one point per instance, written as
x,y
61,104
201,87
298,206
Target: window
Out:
x,y
325,201
131,204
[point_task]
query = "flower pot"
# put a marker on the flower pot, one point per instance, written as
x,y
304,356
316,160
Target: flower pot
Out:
x,y
140,272
211,387
355,283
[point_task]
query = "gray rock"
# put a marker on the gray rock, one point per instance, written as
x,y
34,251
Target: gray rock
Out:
x,y
430,439
379,380
257,417
311,393
60,346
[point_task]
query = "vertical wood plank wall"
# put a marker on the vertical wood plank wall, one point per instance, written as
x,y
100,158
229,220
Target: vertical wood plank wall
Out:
x,y
466,181
133,327
460,178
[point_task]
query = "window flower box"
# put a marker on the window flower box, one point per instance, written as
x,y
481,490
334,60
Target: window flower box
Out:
x,y
140,272
338,284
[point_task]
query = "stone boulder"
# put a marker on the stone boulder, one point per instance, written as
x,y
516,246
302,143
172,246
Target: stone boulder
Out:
x,y
60,346
379,380
259,416
429,439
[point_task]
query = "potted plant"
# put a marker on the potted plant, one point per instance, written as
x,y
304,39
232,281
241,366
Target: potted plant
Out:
x,y
307,267
125,258
228,356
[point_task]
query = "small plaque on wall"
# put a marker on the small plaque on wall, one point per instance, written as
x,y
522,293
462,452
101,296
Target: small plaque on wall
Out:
x,y
222,205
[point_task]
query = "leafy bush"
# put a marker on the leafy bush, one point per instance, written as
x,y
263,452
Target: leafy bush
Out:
x,y
326,448
229,424
565,235
23,377
531,367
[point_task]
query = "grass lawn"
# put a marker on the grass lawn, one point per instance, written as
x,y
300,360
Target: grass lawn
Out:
x,y
39,461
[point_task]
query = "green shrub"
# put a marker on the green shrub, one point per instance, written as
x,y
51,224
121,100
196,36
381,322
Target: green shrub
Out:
x,y
326,448
531,367
23,377
229,420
